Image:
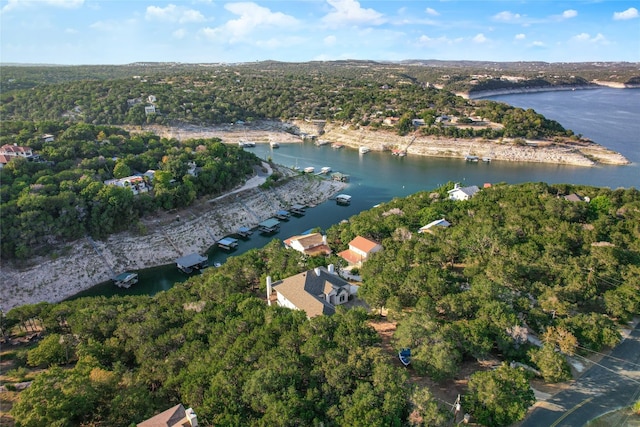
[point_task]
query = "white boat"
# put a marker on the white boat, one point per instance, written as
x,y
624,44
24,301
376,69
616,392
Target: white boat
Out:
x,y
309,169
343,199
325,170
274,144
364,150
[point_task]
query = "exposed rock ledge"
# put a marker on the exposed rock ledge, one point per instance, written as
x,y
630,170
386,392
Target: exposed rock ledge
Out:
x,y
579,153
166,239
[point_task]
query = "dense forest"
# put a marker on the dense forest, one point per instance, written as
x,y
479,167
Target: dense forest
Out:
x,y
63,197
517,260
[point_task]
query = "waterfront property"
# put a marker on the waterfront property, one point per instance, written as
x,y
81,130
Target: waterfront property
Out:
x,y
125,280
228,243
359,250
316,292
462,193
270,225
309,244
191,262
440,223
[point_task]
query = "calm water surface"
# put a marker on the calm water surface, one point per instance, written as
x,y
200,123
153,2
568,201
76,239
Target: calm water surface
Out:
x,y
610,117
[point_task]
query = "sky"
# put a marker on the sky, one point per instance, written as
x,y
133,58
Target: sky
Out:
x,y
220,31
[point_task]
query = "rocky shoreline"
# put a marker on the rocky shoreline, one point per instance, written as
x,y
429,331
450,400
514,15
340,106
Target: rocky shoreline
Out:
x,y
167,237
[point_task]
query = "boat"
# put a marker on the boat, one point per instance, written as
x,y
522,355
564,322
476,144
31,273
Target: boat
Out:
x,y
274,144
320,142
336,146
125,280
400,153
341,177
217,264
246,144
325,170
405,356
309,169
486,159
343,199
364,150
228,243
470,158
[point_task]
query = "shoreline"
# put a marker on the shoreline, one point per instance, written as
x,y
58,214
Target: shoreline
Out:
x,y
80,266
597,84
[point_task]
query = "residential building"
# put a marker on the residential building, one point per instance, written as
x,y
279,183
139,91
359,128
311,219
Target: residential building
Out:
x,y
359,250
135,183
175,416
438,223
316,292
462,193
9,152
309,244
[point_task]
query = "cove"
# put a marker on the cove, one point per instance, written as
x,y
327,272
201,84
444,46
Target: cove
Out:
x,y
377,177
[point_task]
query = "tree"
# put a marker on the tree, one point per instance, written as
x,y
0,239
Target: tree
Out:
x,y
552,364
499,397
121,170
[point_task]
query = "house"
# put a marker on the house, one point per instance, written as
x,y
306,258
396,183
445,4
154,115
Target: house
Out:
x,y
48,138
9,152
151,99
150,109
135,183
316,292
443,223
176,416
359,250
573,197
309,244
462,193
417,122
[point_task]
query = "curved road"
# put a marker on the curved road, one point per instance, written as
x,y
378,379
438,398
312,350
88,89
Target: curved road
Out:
x,y
612,384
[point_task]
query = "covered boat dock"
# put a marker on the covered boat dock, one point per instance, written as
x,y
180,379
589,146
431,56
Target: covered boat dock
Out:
x,y
191,262
228,243
269,226
125,280
244,232
297,209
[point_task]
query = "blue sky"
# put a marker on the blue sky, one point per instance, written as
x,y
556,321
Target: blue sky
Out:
x,y
120,32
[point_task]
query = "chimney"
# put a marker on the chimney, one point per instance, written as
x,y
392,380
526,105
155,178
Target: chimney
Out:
x,y
191,416
269,290
317,270
332,269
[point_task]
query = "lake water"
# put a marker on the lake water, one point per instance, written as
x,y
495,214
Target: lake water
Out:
x,y
610,117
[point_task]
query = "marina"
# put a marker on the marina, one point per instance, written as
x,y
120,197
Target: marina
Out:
x,y
282,215
244,232
268,226
297,209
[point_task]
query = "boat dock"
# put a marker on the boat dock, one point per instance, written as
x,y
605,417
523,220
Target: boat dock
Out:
x,y
125,280
270,225
191,262
244,232
228,243
297,209
343,199
337,176
282,215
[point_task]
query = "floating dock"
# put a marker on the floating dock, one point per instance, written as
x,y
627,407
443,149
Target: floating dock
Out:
x,y
269,226
228,243
191,262
125,280
284,215
244,232
297,209
337,176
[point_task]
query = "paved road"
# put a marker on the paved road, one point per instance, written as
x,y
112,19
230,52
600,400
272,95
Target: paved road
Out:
x,y
614,384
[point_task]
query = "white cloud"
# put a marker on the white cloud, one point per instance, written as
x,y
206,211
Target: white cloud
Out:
x,y
66,4
251,18
432,12
569,13
586,38
630,13
507,16
480,38
70,31
173,13
538,43
179,34
520,36
349,12
330,40
280,42
436,41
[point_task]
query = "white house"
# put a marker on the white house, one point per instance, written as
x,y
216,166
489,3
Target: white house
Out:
x,y
462,193
315,292
359,250
309,244
150,109
9,152
135,183
175,416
